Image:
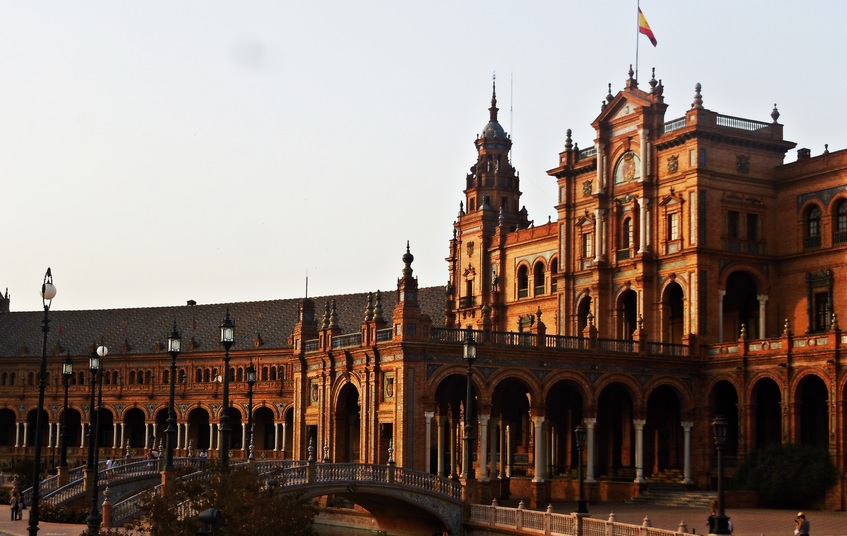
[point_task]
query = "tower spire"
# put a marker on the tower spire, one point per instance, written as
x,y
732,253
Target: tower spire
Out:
x,y
493,110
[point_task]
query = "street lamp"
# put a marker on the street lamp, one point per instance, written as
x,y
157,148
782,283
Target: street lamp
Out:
x,y
67,372
579,435
174,347
227,339
48,292
95,365
467,436
251,381
719,524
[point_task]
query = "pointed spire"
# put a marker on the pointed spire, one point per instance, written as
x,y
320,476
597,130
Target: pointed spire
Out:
x,y
325,323
493,110
408,258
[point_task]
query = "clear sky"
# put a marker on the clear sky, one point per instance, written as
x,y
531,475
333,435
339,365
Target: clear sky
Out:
x,y
155,152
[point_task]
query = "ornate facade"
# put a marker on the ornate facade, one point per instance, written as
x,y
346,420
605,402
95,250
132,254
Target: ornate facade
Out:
x,y
690,273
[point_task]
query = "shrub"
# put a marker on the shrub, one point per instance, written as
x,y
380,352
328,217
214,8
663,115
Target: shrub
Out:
x,y
787,476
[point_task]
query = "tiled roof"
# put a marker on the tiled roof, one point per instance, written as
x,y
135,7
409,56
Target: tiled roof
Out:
x,y
143,330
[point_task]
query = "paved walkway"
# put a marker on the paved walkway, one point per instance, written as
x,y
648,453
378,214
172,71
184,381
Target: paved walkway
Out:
x,y
747,522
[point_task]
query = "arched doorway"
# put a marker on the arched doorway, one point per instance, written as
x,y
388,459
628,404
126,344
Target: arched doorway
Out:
x,y
812,412
347,425
563,410
741,306
627,314
767,409
30,429
582,315
663,445
263,429
511,402
673,307
198,430
615,432
7,427
134,428
724,401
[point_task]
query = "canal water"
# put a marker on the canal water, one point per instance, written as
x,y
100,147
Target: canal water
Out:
x,y
329,530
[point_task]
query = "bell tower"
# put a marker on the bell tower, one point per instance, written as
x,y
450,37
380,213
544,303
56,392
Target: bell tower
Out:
x,y
491,208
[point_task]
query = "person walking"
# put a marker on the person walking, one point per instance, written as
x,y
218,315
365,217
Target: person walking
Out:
x,y
802,525
14,503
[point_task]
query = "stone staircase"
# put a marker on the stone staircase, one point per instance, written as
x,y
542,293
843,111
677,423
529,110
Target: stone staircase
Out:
x,y
666,489
670,494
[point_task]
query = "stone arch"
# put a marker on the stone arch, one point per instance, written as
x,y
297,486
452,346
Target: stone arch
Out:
x,y
135,423
811,418
449,401
582,310
740,304
626,313
723,401
263,428
663,435
8,423
614,429
564,403
346,446
673,312
199,436
766,402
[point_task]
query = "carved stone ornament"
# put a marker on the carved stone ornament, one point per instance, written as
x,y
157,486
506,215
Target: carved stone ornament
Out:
x,y
742,163
673,164
586,189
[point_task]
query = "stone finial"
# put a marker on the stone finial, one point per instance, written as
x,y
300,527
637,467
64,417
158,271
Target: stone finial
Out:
x,y
786,330
825,148
834,324
774,113
612,517
549,508
683,528
631,72
653,82
325,322
521,505
646,522
568,140
743,332
590,319
311,450
333,316
501,218
378,307
609,95
369,310
698,98
461,208
640,323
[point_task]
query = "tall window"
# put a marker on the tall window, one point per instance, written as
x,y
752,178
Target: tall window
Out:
x,y
673,226
554,268
523,282
753,227
840,233
626,233
813,228
538,278
732,218
587,245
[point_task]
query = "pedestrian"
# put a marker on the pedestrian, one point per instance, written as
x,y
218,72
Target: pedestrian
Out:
x,y
13,504
801,524
109,464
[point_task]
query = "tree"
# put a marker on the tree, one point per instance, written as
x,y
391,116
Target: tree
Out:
x,y
791,475
250,504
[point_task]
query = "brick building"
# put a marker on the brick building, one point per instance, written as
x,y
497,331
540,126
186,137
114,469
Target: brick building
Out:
x,y
689,273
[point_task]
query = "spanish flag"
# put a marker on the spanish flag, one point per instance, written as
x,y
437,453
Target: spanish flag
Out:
x,y
644,28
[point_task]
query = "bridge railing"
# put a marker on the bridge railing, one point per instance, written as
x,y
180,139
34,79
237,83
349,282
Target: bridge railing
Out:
x,y
523,521
428,482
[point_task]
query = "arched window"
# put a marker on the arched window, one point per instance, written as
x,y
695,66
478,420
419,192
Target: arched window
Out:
x,y
523,282
132,377
839,235
813,228
538,278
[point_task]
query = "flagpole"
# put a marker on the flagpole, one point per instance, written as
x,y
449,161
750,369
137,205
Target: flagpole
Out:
x,y
637,32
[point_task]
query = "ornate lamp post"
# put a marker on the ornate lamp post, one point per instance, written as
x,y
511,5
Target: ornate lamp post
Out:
x,y
48,292
251,381
467,436
719,524
174,347
96,366
67,372
579,435
227,339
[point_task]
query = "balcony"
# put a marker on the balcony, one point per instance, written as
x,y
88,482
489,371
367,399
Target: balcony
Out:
x,y
466,301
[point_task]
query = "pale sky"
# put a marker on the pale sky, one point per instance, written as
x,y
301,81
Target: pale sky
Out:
x,y
155,152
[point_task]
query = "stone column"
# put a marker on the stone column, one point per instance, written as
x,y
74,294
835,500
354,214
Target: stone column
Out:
x,y
428,415
686,471
721,294
439,432
123,434
763,300
243,436
284,438
82,435
538,427
639,450
26,427
483,447
590,423
18,434
492,446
